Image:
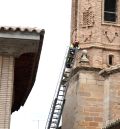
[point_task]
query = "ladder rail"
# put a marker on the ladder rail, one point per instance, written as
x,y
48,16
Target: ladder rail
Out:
x,y
62,72
52,112
60,113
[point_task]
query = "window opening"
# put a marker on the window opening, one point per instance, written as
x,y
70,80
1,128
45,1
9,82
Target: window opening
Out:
x,y
110,10
110,60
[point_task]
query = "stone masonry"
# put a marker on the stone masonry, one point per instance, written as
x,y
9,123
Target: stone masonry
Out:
x,y
93,96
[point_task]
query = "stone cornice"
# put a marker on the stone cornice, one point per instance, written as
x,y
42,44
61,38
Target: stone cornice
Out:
x,y
100,46
87,68
107,71
103,72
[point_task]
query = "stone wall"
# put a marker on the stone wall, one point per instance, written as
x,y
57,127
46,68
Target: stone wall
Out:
x,y
84,101
92,101
112,97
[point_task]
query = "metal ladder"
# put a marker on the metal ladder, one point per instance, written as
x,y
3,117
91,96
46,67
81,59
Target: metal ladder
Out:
x,y
59,99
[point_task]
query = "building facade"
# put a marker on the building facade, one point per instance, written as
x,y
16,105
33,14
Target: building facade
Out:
x,y
93,96
20,50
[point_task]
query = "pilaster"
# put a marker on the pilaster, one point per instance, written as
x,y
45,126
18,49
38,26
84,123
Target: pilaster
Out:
x,y
6,90
106,101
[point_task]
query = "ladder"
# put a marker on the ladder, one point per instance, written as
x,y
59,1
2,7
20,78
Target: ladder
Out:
x,y
59,99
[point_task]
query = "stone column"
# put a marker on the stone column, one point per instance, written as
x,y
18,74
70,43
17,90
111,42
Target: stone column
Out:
x,y
111,94
106,101
6,90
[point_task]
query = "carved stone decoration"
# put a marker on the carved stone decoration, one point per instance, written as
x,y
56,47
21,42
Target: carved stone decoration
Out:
x,y
111,33
87,15
84,57
87,5
86,36
110,70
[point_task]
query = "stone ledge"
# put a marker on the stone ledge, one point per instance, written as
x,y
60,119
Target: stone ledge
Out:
x,y
100,46
87,68
110,70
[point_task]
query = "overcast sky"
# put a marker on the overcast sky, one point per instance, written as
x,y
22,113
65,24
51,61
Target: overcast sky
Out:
x,y
54,17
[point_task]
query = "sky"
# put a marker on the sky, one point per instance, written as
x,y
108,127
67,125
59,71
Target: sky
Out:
x,y
54,16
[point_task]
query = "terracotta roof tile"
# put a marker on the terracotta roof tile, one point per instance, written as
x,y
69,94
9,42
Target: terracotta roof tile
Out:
x,y
21,29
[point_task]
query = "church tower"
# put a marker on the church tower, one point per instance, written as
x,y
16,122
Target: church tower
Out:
x,y
93,96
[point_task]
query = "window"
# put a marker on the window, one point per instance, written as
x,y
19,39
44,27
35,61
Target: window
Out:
x,y
110,60
110,10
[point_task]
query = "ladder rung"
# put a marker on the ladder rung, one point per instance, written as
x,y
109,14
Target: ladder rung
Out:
x,y
62,90
64,80
58,109
54,122
58,104
60,99
53,127
63,86
60,95
56,113
65,75
67,72
55,117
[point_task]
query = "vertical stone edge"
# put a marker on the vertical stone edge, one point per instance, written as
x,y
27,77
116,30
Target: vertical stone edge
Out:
x,y
6,90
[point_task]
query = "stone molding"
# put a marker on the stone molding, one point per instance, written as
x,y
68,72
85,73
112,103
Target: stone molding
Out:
x,y
107,71
87,68
86,36
111,33
87,15
100,45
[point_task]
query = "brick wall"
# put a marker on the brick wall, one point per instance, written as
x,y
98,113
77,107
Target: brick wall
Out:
x,y
6,90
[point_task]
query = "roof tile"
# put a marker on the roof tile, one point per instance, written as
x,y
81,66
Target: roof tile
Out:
x,y
22,29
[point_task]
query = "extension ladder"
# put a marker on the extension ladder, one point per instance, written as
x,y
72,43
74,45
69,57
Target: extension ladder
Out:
x,y
59,100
